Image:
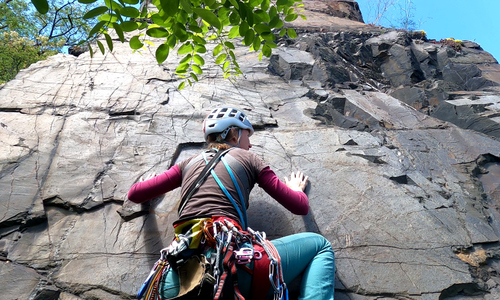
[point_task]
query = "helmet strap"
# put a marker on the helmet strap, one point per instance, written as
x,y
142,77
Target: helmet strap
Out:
x,y
222,137
239,137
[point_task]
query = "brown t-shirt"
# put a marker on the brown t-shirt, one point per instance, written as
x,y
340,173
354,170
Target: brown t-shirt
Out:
x,y
210,200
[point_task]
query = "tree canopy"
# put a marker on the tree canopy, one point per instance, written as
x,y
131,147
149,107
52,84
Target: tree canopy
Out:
x,y
27,36
187,26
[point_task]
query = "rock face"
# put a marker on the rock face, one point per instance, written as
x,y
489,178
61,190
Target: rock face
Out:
x,y
399,136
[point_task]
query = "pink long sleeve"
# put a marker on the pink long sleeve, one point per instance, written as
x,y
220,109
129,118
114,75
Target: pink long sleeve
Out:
x,y
154,187
296,202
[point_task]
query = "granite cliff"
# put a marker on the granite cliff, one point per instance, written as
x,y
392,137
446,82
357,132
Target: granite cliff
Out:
x,y
400,136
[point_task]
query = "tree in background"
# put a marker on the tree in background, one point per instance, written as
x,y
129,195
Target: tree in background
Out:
x,y
27,36
391,13
378,9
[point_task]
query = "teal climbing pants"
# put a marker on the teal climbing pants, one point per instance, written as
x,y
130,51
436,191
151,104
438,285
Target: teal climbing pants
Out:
x,y
311,255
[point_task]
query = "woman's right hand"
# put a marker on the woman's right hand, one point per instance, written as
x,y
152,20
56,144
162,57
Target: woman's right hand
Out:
x,y
297,182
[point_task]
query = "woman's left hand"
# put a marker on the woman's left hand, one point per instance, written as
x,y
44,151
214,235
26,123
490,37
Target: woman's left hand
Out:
x,y
297,182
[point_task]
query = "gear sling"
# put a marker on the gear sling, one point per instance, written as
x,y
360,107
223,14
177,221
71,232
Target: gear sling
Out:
x,y
207,252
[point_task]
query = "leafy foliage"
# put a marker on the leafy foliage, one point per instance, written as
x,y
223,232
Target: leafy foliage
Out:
x,y
17,53
187,26
27,36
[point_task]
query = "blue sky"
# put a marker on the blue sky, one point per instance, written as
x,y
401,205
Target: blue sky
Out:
x,y
477,21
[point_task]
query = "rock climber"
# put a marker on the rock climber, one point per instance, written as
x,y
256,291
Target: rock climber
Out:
x,y
223,198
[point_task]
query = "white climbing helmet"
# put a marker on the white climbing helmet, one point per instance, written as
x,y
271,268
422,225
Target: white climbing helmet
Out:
x,y
223,118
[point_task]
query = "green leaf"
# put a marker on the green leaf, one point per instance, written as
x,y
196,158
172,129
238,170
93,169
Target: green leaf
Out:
x,y
170,7
256,43
234,32
198,60
186,48
235,4
271,45
195,28
255,3
224,12
291,33
91,51
262,15
275,22
181,85
282,3
249,36
226,65
162,53
129,26
119,31
233,57
200,49
243,28
142,25
171,41
182,17
158,20
96,28
87,1
265,5
187,6
262,28
130,1
109,18
109,41
199,40
135,43
283,32
130,12
157,32
303,17
180,31
266,50
194,76
209,3
220,58
273,12
112,4
208,17
101,46
196,69
250,18
185,59
217,50
229,45
182,68
268,36
42,6
291,17
95,12
234,18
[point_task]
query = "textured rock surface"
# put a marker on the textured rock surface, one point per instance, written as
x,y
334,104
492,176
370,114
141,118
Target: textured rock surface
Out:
x,y
410,202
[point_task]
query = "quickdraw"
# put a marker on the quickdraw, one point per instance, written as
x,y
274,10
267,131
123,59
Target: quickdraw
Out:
x,y
229,241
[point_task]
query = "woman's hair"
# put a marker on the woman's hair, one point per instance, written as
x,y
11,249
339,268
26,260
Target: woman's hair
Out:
x,y
213,143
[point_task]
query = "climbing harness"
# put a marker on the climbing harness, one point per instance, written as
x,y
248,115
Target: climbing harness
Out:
x,y
213,249
228,248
